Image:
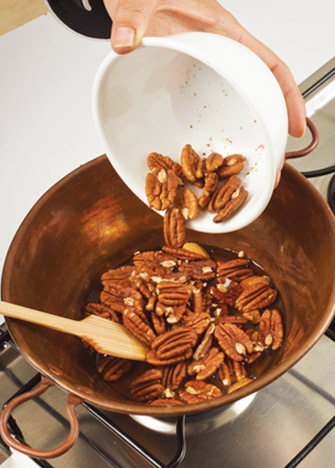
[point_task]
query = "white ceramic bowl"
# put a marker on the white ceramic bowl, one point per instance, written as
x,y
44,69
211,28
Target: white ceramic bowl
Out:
x,y
196,88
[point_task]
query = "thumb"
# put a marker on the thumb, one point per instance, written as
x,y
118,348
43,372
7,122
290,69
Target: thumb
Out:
x,y
130,22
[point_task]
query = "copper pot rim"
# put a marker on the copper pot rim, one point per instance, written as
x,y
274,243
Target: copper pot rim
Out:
x,y
140,408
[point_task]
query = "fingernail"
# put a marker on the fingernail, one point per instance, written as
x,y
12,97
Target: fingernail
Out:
x,y
124,37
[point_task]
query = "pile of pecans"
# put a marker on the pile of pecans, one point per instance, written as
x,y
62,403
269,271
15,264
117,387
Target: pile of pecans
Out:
x,y
206,321
222,192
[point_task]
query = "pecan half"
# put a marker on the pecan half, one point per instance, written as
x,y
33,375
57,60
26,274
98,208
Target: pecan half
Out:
x,y
127,295
183,253
197,322
152,256
150,306
102,310
231,165
236,270
207,366
187,202
157,161
174,342
211,183
158,323
161,189
145,290
177,277
119,298
213,162
271,330
189,162
112,368
196,248
173,314
226,295
234,341
174,229
118,274
148,265
138,327
231,371
246,283
206,343
201,169
237,319
172,376
239,384
172,294
253,356
155,360
147,386
199,269
223,194
197,302
233,205
255,297
113,302
196,391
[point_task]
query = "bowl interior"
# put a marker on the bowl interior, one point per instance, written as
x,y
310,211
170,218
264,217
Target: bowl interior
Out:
x,y
90,221
158,99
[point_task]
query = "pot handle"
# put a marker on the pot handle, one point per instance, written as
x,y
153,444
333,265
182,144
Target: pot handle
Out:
x,y
314,143
72,401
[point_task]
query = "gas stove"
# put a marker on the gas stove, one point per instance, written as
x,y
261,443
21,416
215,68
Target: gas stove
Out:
x,y
288,423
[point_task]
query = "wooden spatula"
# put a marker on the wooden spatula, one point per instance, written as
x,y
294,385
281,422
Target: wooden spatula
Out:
x,y
104,336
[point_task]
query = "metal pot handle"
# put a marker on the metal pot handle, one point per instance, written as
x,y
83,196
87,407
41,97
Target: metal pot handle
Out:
x,y
314,143
72,401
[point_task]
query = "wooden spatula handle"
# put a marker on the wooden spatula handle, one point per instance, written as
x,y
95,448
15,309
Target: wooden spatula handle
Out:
x,y
105,336
41,318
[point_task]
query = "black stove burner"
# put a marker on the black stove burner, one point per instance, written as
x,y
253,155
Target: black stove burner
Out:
x,y
331,194
86,17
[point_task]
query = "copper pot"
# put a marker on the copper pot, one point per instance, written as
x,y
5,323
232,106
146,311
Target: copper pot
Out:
x,y
90,221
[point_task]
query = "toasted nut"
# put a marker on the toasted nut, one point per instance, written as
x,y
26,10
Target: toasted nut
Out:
x,y
239,384
189,161
161,190
174,229
213,162
246,283
253,316
211,184
234,204
196,248
187,202
232,164
223,193
157,161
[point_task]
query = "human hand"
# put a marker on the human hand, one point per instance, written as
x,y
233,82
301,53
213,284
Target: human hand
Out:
x,y
133,19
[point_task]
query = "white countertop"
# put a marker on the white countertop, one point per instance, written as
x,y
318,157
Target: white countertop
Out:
x,y
45,93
